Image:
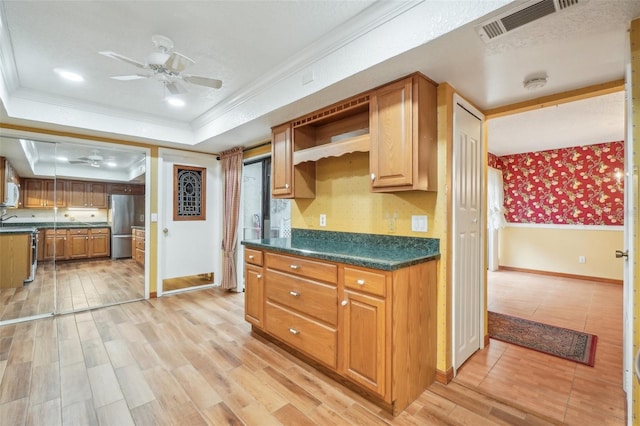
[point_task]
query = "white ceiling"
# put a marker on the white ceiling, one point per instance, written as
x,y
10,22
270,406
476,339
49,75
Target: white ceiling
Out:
x,y
264,51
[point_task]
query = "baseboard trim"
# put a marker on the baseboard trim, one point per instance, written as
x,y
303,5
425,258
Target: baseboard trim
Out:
x,y
153,295
444,377
561,275
486,340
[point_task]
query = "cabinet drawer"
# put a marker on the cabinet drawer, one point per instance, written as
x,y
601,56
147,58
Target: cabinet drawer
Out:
x,y
307,268
78,231
138,233
53,232
253,256
96,231
365,280
140,244
315,339
308,297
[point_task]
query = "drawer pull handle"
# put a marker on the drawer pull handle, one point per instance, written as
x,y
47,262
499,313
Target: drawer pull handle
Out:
x,y
360,282
344,303
259,276
294,331
294,266
294,293
251,257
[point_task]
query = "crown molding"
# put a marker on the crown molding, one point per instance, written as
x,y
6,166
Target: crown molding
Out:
x,y
370,19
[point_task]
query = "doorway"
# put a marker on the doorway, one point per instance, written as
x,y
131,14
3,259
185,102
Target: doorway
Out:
x,y
190,222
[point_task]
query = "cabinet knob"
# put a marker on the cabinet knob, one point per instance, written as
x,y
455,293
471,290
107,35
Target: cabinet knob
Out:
x,y
259,276
373,176
294,267
294,293
293,331
360,282
286,186
86,238
251,257
344,303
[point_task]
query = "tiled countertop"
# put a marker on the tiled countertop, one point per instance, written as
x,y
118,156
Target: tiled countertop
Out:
x,y
383,252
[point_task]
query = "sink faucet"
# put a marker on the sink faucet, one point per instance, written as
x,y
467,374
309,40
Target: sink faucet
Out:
x,y
4,217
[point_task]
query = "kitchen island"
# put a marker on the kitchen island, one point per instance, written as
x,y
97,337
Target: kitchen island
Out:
x,y
360,308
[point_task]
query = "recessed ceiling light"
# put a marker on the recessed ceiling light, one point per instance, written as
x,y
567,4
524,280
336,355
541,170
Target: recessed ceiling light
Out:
x,y
175,102
68,75
111,164
61,158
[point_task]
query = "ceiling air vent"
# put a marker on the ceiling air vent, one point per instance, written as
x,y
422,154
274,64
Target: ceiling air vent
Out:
x,y
522,15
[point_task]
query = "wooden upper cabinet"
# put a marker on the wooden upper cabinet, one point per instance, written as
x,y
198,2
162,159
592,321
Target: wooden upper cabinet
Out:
x,y
44,193
282,162
402,118
125,189
87,194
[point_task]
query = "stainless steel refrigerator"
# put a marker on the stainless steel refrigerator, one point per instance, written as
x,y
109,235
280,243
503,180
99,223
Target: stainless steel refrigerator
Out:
x,y
125,211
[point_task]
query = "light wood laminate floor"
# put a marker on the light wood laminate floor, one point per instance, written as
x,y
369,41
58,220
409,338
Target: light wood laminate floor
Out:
x,y
191,359
79,285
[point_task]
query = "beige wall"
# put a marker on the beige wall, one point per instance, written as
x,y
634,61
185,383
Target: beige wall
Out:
x,y
557,250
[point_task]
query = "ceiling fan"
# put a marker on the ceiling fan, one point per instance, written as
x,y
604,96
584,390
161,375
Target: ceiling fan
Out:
x,y
165,66
94,160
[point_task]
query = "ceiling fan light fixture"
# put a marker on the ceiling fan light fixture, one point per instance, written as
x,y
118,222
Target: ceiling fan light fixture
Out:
x,y
175,101
535,83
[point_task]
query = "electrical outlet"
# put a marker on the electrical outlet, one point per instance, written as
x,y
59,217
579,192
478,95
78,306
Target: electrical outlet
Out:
x,y
582,259
419,223
323,220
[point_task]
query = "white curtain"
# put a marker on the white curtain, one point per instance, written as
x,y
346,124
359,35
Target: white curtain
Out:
x,y
495,200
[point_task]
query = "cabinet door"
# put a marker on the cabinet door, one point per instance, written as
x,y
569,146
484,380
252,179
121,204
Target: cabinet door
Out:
x,y
55,246
390,114
136,189
253,295
78,245
282,162
55,195
97,195
99,243
77,194
33,189
364,333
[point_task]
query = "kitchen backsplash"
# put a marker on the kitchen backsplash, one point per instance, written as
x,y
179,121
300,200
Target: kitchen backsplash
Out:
x,y
62,216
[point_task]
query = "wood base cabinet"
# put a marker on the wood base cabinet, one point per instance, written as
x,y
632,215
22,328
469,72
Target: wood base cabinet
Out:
x,y
82,243
137,246
372,330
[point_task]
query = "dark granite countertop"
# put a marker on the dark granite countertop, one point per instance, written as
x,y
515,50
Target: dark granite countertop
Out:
x,y
58,225
138,227
383,252
17,230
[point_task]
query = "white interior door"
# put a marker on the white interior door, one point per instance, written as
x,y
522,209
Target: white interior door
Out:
x,y
192,247
467,250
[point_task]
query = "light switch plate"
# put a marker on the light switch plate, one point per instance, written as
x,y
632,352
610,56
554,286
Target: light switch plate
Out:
x,y
323,220
419,223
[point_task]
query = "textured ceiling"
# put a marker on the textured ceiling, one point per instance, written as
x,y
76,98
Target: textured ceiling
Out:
x,y
265,50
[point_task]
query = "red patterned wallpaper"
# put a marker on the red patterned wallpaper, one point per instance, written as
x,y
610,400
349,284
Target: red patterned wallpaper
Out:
x,y
564,186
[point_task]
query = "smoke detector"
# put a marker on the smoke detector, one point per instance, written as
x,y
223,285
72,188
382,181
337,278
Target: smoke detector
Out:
x,y
535,83
521,15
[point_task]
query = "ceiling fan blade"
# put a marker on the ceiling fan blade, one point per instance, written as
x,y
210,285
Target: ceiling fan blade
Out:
x,y
119,57
175,88
202,81
177,62
129,77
